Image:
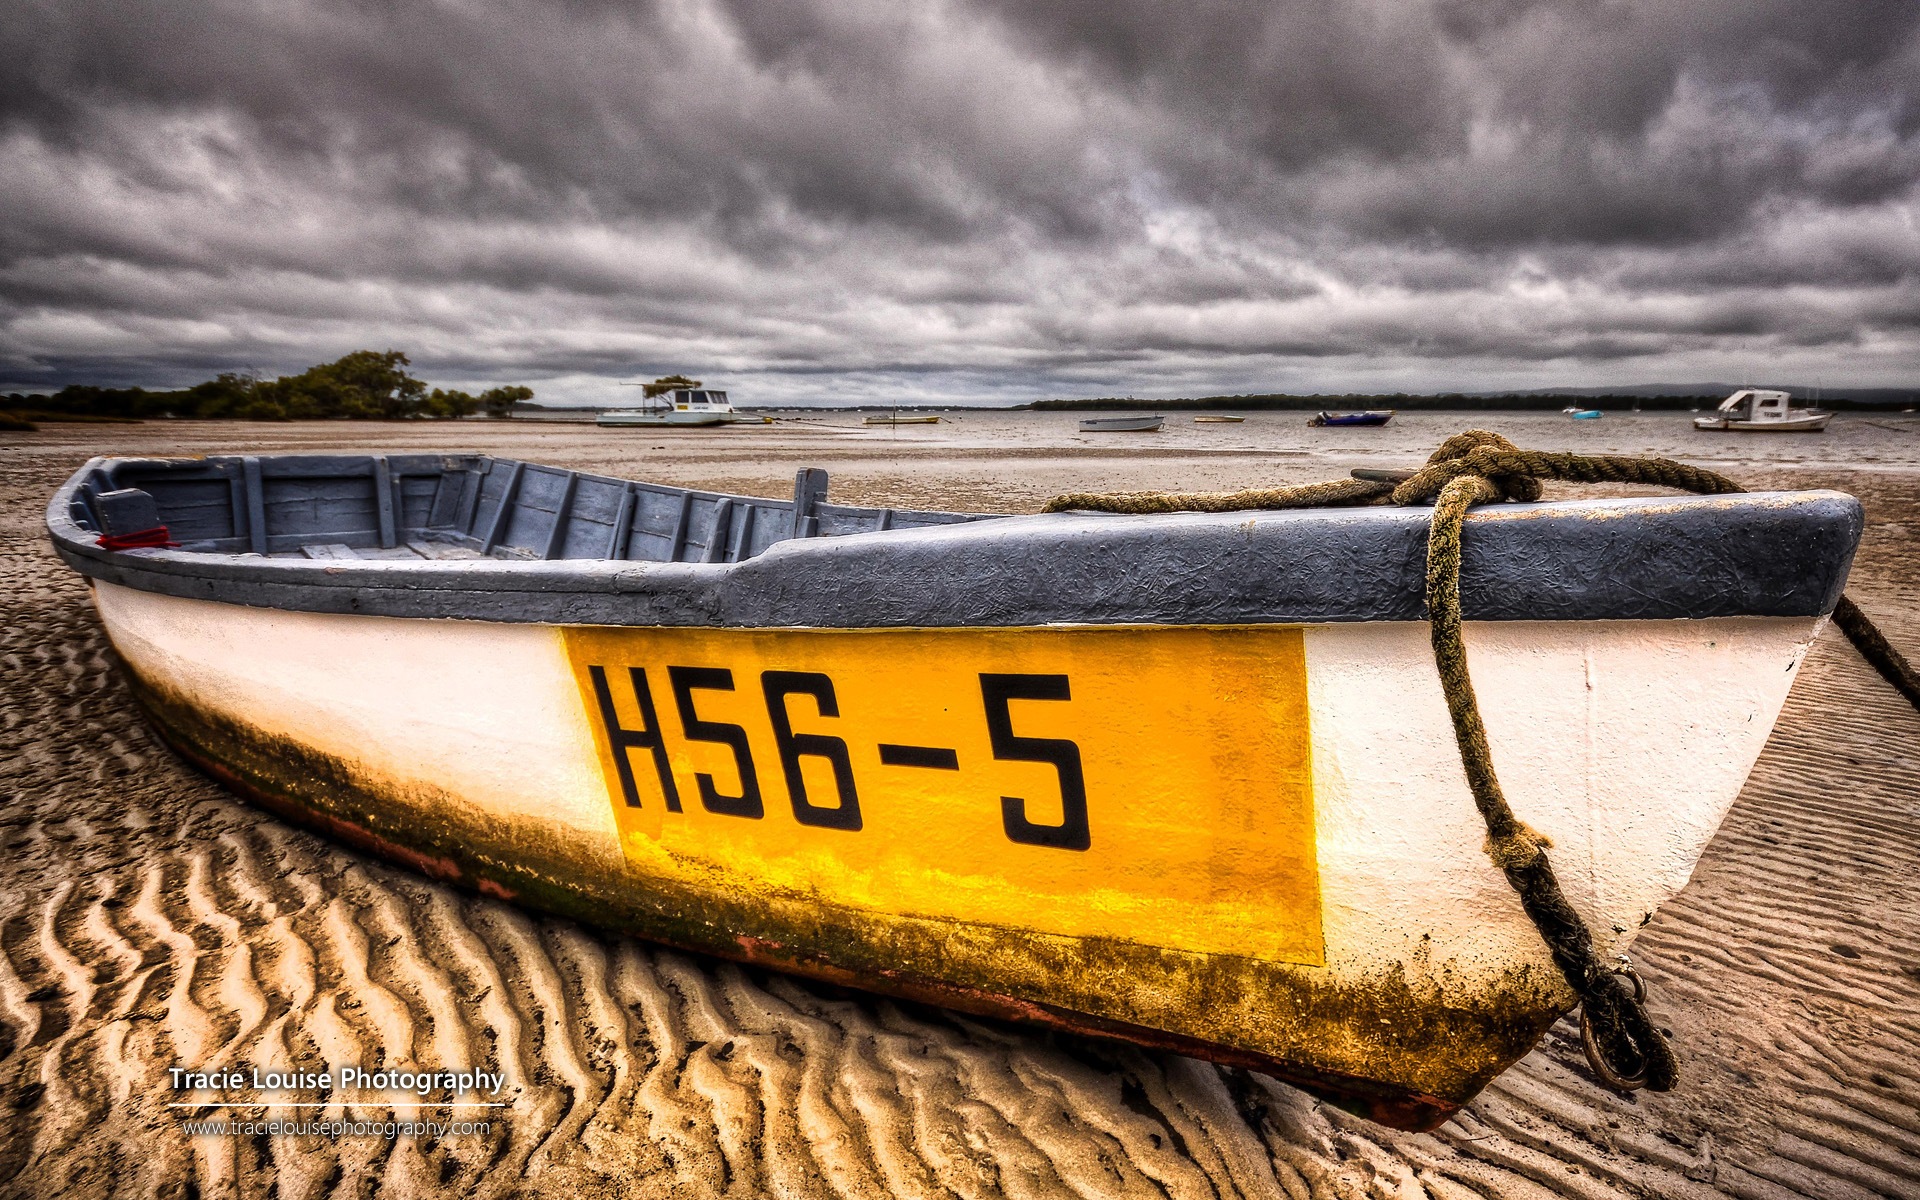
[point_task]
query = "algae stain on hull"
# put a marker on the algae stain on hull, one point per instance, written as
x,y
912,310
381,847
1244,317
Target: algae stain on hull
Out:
x,y
1387,1048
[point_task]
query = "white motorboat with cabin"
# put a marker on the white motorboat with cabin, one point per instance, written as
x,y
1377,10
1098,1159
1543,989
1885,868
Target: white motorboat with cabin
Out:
x,y
678,406
1763,410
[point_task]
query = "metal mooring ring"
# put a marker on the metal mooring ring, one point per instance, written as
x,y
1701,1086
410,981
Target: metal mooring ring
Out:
x,y
1608,1076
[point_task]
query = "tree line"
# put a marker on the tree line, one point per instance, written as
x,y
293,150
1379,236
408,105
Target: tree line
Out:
x,y
366,385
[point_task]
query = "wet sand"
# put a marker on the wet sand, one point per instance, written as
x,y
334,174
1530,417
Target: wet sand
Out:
x,y
149,920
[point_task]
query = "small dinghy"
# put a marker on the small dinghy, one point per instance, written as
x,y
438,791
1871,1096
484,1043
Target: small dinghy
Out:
x,y
1186,779
1121,424
1218,419
1372,416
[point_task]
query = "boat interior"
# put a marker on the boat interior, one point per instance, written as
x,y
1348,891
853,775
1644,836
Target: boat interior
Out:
x,y
437,506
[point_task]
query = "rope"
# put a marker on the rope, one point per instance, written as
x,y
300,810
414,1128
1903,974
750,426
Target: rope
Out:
x,y
1633,1049
1624,1046
1331,494
1875,648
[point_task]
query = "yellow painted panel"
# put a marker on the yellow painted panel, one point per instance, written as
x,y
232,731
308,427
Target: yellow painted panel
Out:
x,y
1147,784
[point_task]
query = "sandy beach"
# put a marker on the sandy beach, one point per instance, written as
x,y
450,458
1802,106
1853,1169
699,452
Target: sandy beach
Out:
x,y
148,919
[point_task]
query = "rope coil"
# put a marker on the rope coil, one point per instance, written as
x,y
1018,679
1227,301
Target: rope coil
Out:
x,y
1626,1049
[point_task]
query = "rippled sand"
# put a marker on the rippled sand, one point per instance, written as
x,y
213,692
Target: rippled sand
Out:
x,y
148,920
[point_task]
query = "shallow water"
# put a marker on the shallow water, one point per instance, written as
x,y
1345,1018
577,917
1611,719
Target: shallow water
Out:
x,y
147,919
1852,439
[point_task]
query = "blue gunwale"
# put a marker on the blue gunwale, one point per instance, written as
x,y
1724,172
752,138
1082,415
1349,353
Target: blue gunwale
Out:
x,y
546,545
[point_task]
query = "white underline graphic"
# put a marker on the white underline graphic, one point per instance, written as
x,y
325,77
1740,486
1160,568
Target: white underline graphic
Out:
x,y
345,1103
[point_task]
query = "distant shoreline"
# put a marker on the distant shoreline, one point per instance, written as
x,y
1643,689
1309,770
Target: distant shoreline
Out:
x,y
1893,402
1456,402
576,414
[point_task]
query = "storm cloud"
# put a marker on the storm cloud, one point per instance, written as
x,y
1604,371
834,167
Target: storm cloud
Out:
x,y
964,200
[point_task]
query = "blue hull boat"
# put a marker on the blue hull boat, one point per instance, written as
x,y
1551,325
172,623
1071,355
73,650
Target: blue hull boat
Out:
x,y
1370,417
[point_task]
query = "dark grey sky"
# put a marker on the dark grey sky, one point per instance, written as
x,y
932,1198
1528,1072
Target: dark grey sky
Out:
x,y
964,200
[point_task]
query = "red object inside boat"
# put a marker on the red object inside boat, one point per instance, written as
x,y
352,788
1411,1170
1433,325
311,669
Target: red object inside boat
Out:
x,y
146,539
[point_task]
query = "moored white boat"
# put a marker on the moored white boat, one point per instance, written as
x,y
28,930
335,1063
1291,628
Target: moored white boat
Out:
x,y
1149,424
1184,779
688,406
1761,410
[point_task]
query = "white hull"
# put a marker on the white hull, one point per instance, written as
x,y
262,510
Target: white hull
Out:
x,y
655,420
1624,741
1808,424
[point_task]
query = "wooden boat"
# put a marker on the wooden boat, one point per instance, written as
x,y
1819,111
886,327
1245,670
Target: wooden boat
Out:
x,y
1761,410
1218,419
1372,416
894,420
1187,780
